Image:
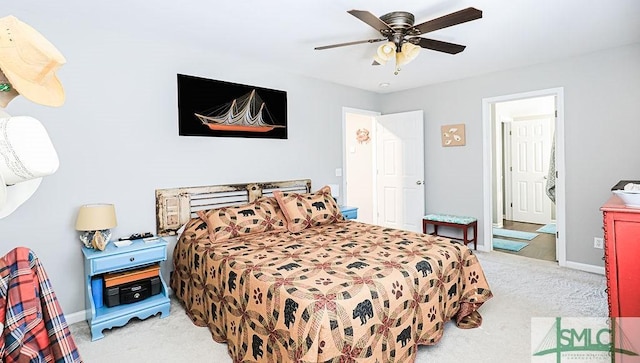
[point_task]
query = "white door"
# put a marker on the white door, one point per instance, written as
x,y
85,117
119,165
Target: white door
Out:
x,y
400,170
530,152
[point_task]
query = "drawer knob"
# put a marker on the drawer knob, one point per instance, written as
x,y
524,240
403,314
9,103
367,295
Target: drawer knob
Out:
x,y
132,259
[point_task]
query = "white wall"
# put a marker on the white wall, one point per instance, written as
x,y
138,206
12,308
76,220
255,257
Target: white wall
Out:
x,y
601,129
117,137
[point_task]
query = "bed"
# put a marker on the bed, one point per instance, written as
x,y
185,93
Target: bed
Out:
x,y
276,273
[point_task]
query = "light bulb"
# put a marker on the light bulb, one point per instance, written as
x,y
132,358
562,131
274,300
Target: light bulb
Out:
x,y
383,54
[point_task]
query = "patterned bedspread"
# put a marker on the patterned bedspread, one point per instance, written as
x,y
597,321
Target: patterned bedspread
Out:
x,y
342,292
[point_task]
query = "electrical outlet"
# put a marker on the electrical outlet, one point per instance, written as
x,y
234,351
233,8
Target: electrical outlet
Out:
x,y
598,242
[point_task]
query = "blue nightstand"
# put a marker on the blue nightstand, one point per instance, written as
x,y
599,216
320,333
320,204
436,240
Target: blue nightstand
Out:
x,y
349,212
97,263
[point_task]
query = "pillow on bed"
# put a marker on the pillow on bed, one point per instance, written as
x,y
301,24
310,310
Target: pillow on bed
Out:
x,y
308,210
195,229
262,215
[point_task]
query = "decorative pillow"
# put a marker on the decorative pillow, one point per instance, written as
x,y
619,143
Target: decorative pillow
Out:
x,y
308,210
262,215
195,229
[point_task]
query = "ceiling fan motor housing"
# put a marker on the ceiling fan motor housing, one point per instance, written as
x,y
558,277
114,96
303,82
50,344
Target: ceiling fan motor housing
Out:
x,y
401,22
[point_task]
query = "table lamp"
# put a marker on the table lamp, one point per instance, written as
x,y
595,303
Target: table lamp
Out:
x,y
95,222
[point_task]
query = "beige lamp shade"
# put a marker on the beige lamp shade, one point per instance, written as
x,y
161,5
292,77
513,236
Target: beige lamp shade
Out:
x,y
409,52
385,52
96,217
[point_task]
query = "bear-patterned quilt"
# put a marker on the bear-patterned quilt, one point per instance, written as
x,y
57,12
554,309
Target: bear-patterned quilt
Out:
x,y
340,292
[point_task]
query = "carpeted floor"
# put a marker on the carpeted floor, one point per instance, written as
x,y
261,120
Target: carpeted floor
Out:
x,y
523,288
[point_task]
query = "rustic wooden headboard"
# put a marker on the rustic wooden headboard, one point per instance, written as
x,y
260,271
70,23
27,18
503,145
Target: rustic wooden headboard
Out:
x,y
176,206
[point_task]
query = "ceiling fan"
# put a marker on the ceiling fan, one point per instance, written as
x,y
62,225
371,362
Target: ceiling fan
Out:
x,y
403,38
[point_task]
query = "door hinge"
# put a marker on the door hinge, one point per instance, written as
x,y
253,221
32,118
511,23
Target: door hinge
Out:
x,y
557,234
511,168
556,173
556,113
511,205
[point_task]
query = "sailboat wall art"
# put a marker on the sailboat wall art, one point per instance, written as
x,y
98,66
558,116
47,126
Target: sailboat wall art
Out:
x,y
208,107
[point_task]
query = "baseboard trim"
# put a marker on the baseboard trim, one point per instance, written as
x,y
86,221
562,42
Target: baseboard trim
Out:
x,y
76,317
585,267
569,264
81,315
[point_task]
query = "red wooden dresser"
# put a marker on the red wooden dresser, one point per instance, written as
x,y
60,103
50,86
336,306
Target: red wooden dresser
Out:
x,y
621,253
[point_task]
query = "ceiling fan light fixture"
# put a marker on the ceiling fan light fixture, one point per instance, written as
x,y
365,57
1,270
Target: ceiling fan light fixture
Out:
x,y
384,52
388,48
408,53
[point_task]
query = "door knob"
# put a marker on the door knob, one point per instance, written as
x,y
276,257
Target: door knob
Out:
x,y
419,182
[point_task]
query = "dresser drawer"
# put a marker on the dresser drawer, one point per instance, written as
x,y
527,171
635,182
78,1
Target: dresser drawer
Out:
x,y
127,260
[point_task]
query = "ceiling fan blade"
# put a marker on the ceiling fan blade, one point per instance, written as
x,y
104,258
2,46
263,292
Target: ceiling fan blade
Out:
x,y
371,19
350,43
438,45
456,18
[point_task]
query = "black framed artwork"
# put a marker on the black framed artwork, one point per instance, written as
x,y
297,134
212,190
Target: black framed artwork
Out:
x,y
208,107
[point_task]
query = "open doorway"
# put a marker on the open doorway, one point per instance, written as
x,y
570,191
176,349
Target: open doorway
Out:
x,y
527,220
383,166
524,148
359,165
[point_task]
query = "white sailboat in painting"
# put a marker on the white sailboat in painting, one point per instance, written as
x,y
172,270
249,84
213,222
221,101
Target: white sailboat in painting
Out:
x,y
244,113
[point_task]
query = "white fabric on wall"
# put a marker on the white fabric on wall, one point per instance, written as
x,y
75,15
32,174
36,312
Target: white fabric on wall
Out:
x,y
551,176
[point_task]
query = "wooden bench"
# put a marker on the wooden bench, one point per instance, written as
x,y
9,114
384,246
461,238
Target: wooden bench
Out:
x,y
447,220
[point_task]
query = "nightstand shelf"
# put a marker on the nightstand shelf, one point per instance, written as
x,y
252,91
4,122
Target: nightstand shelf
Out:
x,y
349,212
112,259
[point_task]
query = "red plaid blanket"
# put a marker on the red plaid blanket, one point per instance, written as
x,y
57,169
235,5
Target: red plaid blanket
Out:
x,y
33,326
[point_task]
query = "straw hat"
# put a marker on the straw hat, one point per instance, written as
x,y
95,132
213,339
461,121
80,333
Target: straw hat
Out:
x,y
26,155
29,61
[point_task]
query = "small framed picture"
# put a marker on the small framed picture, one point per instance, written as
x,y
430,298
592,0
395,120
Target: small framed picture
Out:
x,y
453,135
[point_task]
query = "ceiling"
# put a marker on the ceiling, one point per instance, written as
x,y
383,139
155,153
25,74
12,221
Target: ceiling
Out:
x,y
283,33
